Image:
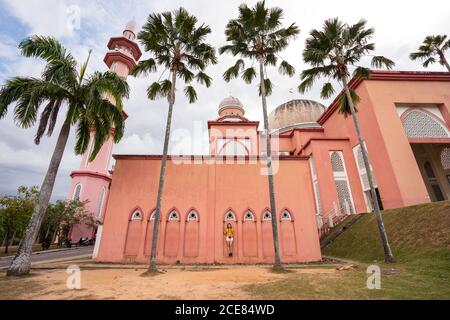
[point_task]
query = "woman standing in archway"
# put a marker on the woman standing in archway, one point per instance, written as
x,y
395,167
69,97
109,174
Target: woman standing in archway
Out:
x,y
229,238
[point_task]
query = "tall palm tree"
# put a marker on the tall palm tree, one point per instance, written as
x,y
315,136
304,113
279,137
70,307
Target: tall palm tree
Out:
x,y
178,46
331,53
87,108
433,47
259,36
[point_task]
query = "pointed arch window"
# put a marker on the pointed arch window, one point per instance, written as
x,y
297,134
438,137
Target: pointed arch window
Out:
x,y
230,216
136,216
77,192
192,216
174,216
100,203
286,216
341,182
249,216
420,124
153,215
267,216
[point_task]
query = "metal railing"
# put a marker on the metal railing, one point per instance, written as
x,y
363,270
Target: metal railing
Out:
x,y
326,222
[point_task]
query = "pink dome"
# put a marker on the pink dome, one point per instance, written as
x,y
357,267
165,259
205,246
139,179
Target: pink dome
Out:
x,y
231,103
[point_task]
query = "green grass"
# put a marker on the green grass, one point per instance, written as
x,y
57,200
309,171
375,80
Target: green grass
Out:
x,y
420,240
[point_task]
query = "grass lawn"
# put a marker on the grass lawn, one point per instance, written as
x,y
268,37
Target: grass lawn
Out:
x,y
420,239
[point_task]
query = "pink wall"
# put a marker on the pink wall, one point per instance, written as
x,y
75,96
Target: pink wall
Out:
x,y
212,189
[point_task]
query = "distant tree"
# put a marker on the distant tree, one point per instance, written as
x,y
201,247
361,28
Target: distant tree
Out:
x,y
433,50
331,52
258,35
89,106
15,212
62,215
177,46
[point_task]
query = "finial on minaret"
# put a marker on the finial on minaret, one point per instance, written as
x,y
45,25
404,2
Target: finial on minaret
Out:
x,y
130,30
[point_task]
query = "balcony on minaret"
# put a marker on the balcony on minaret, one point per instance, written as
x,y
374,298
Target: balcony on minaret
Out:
x,y
124,53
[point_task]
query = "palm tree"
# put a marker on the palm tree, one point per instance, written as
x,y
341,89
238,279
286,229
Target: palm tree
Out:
x,y
258,35
331,52
433,47
87,108
177,45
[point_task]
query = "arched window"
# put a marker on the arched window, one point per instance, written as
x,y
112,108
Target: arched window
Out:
x,y
100,203
286,216
153,215
174,216
336,162
233,146
192,216
230,216
77,192
249,216
137,215
267,216
420,124
445,158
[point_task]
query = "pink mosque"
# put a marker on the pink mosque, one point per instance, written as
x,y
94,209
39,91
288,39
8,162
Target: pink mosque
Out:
x,y
320,176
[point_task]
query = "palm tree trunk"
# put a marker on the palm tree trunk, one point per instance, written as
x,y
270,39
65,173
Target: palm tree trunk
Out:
x,y
21,263
388,256
162,175
444,60
273,208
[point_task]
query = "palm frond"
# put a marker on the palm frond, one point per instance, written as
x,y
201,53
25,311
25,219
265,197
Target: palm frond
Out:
x,y
380,62
249,74
344,105
190,93
327,90
268,86
286,69
203,78
233,71
144,67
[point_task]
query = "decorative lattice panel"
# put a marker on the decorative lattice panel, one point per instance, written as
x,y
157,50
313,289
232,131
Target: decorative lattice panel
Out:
x,y
445,158
317,194
336,162
344,197
418,124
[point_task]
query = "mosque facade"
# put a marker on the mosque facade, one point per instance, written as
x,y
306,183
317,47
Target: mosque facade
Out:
x,y
319,173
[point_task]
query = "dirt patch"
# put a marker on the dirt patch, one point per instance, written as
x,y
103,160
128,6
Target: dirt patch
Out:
x,y
128,284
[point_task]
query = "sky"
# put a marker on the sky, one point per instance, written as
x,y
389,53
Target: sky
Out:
x,y
83,25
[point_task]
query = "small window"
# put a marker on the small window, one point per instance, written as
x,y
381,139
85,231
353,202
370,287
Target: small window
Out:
x,y
153,215
230,216
267,216
137,215
248,216
174,216
286,216
192,216
77,192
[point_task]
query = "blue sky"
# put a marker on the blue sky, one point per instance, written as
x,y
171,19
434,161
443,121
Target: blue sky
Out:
x,y
399,30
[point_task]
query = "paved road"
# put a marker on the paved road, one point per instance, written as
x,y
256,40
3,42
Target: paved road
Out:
x,y
51,255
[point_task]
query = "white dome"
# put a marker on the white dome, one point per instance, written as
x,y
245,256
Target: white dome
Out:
x,y
296,113
231,103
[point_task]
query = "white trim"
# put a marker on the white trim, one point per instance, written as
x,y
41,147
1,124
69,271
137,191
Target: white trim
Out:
x,y
264,216
288,218
137,215
189,216
101,202
176,216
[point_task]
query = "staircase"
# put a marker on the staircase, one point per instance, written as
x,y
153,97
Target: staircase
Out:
x,y
333,223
